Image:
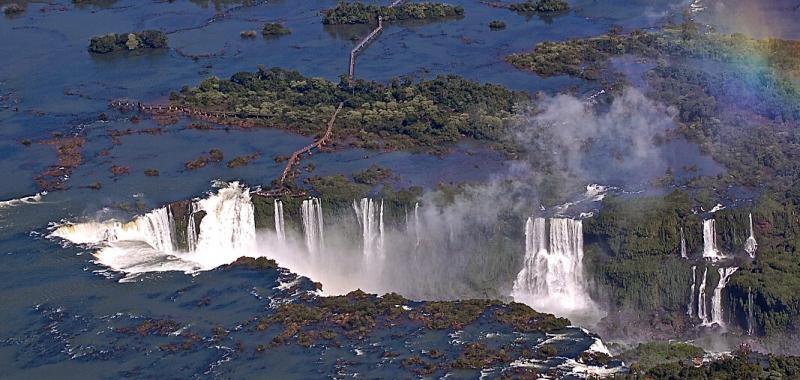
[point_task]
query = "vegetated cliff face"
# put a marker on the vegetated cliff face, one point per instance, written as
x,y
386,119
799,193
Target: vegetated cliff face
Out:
x,y
633,256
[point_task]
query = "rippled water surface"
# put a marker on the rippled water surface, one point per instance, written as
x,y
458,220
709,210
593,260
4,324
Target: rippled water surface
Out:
x,y
62,312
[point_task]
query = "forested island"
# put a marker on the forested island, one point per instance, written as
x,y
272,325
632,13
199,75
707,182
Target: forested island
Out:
x,y
148,39
541,6
360,13
428,115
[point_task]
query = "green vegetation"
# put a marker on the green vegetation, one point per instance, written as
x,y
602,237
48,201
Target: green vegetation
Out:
x,y
632,254
651,354
530,6
726,109
215,155
358,314
274,29
360,13
585,58
741,365
148,39
646,226
429,115
243,160
197,163
373,175
478,356
497,25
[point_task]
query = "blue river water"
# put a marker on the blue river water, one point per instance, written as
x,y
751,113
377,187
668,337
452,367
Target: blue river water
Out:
x,y
61,311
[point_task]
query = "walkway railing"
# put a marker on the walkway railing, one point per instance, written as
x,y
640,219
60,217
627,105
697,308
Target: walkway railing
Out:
x,y
297,155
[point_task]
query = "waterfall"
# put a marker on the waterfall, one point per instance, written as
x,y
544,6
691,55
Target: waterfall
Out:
x,y
156,226
416,222
710,251
146,244
716,301
370,218
683,246
689,309
313,225
750,245
551,278
280,226
191,229
749,311
701,299
229,224
153,228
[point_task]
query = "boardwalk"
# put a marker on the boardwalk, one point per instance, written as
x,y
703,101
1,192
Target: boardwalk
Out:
x,y
297,155
366,40
222,117
361,45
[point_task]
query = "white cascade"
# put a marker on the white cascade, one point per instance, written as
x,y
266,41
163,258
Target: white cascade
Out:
x,y
690,309
153,228
313,225
750,244
417,225
551,278
146,244
370,218
280,226
710,251
716,301
191,229
683,246
229,224
749,311
702,312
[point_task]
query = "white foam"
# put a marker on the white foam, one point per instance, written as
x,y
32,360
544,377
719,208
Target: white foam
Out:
x,y
145,244
31,199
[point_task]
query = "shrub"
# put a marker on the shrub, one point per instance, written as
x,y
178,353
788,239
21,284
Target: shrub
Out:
x,y
497,25
275,29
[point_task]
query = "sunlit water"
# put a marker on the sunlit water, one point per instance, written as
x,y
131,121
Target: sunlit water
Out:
x,y
59,304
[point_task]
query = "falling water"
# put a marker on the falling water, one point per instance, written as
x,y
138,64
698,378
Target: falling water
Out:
x,y
416,223
716,300
689,309
280,226
749,311
370,218
191,229
701,299
710,250
156,226
750,245
146,244
153,228
229,224
551,279
683,246
313,225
